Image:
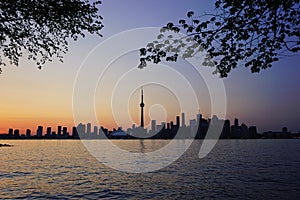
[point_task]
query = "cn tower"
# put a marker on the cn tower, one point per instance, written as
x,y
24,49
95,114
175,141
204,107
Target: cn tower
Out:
x,y
142,105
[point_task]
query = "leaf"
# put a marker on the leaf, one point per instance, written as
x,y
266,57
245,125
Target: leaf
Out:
x,y
198,29
196,21
143,52
190,14
190,29
175,29
238,32
218,23
160,36
150,45
182,21
170,25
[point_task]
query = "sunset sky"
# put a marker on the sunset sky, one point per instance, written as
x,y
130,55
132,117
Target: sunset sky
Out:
x,y
32,97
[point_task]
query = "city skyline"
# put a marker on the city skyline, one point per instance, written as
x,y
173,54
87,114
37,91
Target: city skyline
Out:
x,y
192,128
138,119
97,129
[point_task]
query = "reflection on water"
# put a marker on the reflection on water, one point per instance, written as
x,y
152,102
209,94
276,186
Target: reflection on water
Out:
x,y
137,146
234,169
135,160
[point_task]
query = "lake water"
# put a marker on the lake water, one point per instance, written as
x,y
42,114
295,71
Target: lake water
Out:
x,y
245,169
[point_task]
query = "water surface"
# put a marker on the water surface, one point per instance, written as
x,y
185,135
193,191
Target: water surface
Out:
x,y
247,169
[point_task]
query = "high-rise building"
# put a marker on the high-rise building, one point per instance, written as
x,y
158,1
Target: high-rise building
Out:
x,y
48,132
177,121
153,125
226,130
244,132
59,130
88,128
193,127
96,130
28,133
10,131
284,129
252,132
74,132
39,131
214,120
236,122
199,118
183,120
16,133
65,131
80,129
142,105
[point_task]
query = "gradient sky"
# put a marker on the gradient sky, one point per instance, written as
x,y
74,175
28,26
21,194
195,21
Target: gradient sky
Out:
x,y
31,97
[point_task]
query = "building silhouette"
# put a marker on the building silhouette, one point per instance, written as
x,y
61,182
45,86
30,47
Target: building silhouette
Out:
x,y
65,132
142,105
16,133
28,133
183,119
95,130
48,132
177,121
59,130
88,128
39,131
198,128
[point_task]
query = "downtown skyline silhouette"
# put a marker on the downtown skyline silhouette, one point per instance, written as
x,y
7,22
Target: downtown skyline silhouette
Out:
x,y
197,128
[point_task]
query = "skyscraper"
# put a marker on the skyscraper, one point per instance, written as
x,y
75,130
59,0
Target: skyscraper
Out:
x,y
16,133
177,121
39,131
10,131
199,118
88,128
74,132
48,132
236,122
142,105
153,125
65,131
59,130
183,120
80,129
193,126
28,133
95,130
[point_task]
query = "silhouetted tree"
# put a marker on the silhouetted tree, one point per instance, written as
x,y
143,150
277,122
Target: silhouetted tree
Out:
x,y
41,28
252,33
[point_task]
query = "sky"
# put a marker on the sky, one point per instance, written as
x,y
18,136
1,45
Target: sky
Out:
x,y
99,82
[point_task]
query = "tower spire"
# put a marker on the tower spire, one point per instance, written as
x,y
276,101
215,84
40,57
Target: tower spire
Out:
x,y
142,105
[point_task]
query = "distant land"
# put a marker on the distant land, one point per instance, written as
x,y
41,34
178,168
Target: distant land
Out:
x,y
197,129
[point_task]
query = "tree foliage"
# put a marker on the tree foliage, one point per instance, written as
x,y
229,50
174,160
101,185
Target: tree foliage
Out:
x,y
241,32
41,28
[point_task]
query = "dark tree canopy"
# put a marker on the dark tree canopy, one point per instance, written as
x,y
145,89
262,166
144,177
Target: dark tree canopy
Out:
x,y
41,28
252,33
